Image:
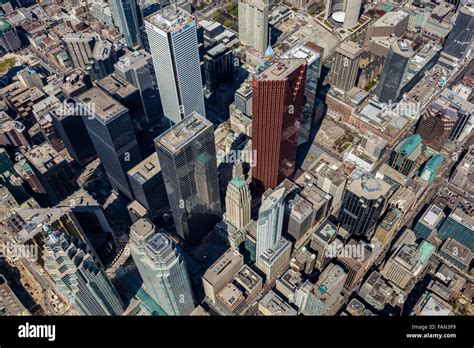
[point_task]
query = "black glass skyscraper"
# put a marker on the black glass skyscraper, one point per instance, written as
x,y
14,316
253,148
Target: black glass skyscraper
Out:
x,y
187,156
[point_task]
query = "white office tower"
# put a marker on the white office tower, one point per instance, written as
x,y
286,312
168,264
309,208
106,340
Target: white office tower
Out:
x,y
253,23
270,220
174,48
162,268
78,277
238,203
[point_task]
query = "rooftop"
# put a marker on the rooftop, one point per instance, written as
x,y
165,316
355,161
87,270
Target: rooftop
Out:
x,y
43,157
146,169
275,305
248,278
103,106
183,132
369,187
170,19
408,145
143,228
226,263
280,69
116,85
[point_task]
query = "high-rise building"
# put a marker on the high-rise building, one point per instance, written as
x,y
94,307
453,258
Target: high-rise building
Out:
x,y
324,294
111,131
162,267
299,214
80,47
278,94
148,186
313,55
218,67
273,262
30,78
394,70
344,12
253,23
103,60
363,204
129,96
52,171
429,222
187,155
405,155
459,226
9,39
270,221
435,125
174,48
459,39
79,278
238,203
345,67
127,16
137,68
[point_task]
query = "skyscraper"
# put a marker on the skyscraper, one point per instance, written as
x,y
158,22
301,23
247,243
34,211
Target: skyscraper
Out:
x,y
137,68
79,278
174,48
344,12
218,67
363,204
187,155
238,203
111,131
277,103
270,221
405,155
80,47
127,16
436,124
395,67
148,186
253,23
162,268
459,39
345,67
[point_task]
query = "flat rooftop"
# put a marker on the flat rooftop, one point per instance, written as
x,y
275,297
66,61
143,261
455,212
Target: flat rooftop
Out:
x,y
226,263
104,107
248,278
369,187
183,132
169,19
302,52
116,85
391,18
146,169
143,227
280,69
43,157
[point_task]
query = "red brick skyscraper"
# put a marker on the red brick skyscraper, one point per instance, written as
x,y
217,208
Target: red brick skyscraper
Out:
x,y
278,94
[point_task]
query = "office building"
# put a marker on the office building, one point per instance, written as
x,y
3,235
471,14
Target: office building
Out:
x,y
30,78
174,48
111,131
129,96
79,279
273,305
253,23
75,82
9,39
270,221
162,267
406,154
429,222
363,204
103,60
321,240
355,259
10,305
435,125
80,47
12,132
137,68
218,67
243,99
325,293
394,70
459,40
127,16
299,217
346,13
238,203
461,175
53,173
74,135
250,281
331,181
460,227
313,55
278,94
273,262
456,254
221,273
187,154
148,186
345,68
